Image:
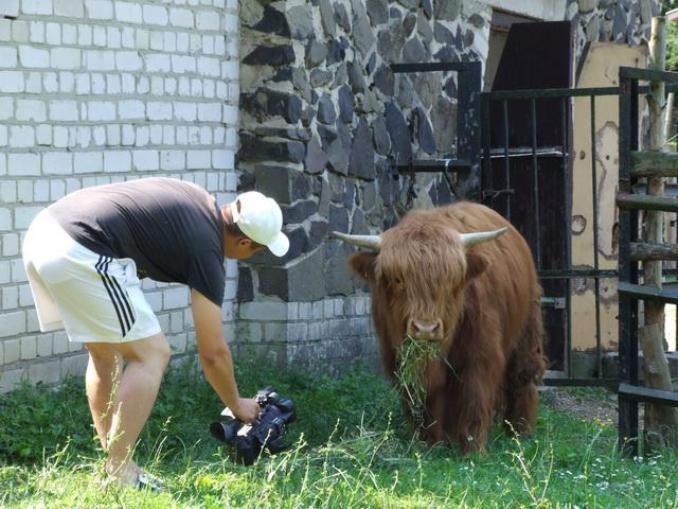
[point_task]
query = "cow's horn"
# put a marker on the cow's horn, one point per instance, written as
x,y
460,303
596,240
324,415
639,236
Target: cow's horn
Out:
x,y
368,241
471,239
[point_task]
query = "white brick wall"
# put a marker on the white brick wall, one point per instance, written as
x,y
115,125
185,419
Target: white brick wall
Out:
x,y
96,91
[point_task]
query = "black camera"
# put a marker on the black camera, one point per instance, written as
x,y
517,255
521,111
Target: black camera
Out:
x,y
268,431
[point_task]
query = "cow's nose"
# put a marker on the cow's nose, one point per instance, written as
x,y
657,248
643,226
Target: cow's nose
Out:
x,y
425,329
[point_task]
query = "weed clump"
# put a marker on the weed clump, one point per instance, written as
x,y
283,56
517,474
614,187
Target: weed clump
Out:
x,y
412,358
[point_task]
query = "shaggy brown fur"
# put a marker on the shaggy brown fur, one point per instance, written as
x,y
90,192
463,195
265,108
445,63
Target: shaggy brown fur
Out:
x,y
487,299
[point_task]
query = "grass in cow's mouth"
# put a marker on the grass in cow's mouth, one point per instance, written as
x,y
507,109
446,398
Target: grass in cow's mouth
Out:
x,y
410,375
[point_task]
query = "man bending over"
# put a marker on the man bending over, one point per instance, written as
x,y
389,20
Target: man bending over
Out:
x,y
84,257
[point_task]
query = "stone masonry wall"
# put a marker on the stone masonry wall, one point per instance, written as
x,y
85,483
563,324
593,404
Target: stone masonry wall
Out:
x,y
99,91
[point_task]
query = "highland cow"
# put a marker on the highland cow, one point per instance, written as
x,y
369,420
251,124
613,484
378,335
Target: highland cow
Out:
x,y
462,276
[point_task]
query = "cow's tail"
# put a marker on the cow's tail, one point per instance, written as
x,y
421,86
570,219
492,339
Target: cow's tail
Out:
x,y
529,362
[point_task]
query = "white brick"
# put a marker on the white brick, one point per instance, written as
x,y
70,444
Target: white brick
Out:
x,y
84,35
117,161
182,64
5,219
50,82
142,39
172,160
198,159
21,136
99,36
63,110
128,37
128,61
185,111
44,346
8,191
157,62
263,310
60,343
88,162
5,28
10,244
43,134
43,7
101,110
8,57
9,8
157,85
209,66
41,190
20,31
47,373
28,348
183,42
53,34
230,115
23,164
181,17
6,108
146,160
207,20
69,8
155,15
113,84
159,110
156,134
74,365
60,136
128,12
12,324
196,87
128,135
131,109
22,218
142,136
223,159
12,348
157,41
209,112
128,83
100,60
113,37
65,58
57,163
176,297
99,9
69,34
33,57
10,298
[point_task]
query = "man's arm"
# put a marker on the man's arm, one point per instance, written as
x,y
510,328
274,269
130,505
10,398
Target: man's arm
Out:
x,y
215,357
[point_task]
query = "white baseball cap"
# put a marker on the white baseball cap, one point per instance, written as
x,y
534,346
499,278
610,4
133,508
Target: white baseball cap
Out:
x,y
260,218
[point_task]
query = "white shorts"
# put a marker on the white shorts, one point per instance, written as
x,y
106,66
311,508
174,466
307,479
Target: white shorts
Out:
x,y
96,298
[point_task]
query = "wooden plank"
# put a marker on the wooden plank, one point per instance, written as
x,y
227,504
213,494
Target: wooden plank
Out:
x,y
654,163
648,395
632,201
667,296
649,251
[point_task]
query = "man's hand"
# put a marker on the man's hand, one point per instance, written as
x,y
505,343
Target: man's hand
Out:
x,y
247,411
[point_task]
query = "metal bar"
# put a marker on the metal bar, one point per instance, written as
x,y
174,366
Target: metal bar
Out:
x,y
648,202
507,171
648,74
488,178
594,192
435,165
535,187
647,395
628,309
468,126
582,273
526,151
429,67
528,93
580,382
652,293
564,113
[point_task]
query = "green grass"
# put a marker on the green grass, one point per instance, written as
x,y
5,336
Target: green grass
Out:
x,y
350,448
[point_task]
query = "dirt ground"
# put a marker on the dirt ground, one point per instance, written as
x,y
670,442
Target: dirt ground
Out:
x,y
597,404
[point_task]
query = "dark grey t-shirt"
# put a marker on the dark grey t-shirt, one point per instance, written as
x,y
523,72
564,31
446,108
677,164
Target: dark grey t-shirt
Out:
x,y
172,229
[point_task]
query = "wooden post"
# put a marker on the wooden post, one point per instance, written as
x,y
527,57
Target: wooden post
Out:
x,y
661,422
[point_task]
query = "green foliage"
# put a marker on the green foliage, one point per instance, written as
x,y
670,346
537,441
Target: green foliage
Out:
x,y
672,46
351,448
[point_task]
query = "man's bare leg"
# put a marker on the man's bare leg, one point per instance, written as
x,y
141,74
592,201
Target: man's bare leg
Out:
x,y
146,361
103,375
